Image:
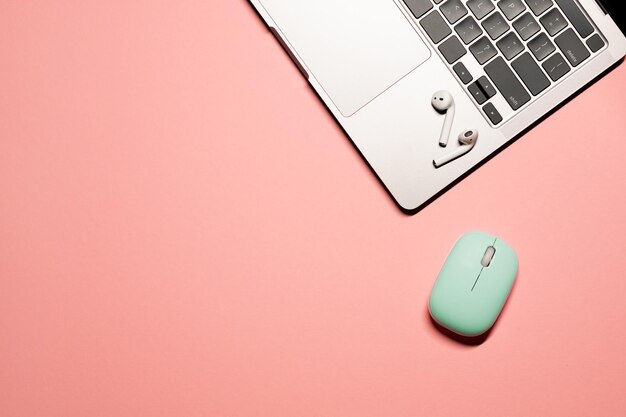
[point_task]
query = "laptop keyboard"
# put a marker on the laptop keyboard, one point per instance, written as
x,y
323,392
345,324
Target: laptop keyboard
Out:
x,y
515,49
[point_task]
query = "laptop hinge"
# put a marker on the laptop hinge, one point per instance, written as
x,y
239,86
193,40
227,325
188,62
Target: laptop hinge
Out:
x,y
612,9
599,2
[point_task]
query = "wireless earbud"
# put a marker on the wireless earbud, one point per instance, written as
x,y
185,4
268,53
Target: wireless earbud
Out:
x,y
444,103
467,139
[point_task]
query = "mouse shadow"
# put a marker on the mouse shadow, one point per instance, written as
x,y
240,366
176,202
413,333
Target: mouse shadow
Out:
x,y
473,341
460,339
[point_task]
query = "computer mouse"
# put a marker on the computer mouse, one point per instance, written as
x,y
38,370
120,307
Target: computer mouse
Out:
x,y
474,284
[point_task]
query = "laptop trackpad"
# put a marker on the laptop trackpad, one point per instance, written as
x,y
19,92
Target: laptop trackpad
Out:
x,y
356,49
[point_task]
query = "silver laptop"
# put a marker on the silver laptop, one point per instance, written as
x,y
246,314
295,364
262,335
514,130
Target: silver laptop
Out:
x,y
384,67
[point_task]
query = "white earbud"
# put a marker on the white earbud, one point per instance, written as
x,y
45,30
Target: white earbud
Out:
x,y
467,139
444,103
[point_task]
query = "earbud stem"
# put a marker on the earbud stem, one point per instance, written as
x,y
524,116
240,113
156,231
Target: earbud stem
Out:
x,y
452,155
447,127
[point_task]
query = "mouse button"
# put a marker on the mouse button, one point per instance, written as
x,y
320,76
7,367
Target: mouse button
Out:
x,y
501,273
471,247
460,267
505,257
463,262
488,256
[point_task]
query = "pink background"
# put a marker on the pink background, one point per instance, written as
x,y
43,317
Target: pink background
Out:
x,y
185,231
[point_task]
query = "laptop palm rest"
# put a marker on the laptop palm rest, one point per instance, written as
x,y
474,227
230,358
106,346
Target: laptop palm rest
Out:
x,y
355,49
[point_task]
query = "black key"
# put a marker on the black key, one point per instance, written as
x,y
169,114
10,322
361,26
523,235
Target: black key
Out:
x,y
477,93
507,83
511,8
419,7
553,21
526,26
452,49
571,46
539,6
468,30
595,43
510,46
462,72
453,10
495,25
492,113
483,50
556,67
486,86
436,28
541,46
531,74
576,17
480,8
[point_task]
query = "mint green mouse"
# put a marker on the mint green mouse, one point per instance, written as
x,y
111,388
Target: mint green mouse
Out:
x,y
473,284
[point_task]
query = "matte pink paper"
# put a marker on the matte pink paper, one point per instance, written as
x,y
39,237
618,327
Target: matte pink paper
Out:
x,y
185,231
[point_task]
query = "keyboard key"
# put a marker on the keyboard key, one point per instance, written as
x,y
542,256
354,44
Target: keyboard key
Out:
x,y
436,28
510,46
530,73
438,1
571,46
553,21
556,67
492,113
480,8
468,30
595,43
576,17
419,7
541,46
483,50
452,49
477,93
462,72
507,83
453,10
539,6
526,26
486,86
511,8
495,25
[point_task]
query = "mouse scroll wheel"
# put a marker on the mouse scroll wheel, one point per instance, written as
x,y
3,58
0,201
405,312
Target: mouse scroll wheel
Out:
x,y
488,256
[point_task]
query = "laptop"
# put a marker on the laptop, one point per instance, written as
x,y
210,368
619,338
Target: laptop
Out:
x,y
380,66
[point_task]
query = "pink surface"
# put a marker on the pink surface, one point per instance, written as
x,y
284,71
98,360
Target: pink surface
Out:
x,y
184,231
